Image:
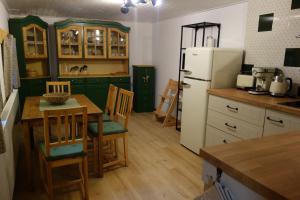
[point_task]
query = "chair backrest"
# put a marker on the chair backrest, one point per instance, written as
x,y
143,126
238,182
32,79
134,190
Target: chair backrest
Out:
x,y
69,127
124,106
58,87
111,100
169,95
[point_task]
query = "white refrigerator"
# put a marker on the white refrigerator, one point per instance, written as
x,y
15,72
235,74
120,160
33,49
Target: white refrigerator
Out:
x,y
204,68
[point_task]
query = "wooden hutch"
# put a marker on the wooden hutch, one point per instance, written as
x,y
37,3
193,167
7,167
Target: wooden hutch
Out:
x,y
92,54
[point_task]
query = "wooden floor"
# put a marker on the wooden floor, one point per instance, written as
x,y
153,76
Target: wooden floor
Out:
x,y
159,168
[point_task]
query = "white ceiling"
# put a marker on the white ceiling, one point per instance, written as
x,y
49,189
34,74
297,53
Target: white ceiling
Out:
x,y
110,9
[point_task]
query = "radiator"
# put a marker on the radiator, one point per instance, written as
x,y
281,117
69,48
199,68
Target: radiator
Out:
x,y
7,160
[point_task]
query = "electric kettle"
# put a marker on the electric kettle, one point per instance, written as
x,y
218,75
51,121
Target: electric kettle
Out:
x,y
280,86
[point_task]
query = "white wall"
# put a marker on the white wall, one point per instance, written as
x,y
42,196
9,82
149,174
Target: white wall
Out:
x,y
166,38
3,16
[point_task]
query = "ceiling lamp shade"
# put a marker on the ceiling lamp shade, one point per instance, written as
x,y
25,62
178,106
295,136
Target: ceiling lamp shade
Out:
x,y
132,3
129,4
124,9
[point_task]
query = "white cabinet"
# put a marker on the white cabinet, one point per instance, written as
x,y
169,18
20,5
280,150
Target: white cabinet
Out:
x,y
252,114
278,122
216,137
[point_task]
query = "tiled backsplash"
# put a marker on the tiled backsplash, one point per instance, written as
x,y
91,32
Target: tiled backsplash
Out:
x,y
267,49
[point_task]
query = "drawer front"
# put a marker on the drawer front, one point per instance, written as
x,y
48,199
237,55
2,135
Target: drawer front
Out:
x,y
120,80
97,80
74,81
252,114
233,126
217,137
277,122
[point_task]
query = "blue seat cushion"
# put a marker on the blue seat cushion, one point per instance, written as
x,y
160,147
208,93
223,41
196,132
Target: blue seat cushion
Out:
x,y
106,117
64,151
109,128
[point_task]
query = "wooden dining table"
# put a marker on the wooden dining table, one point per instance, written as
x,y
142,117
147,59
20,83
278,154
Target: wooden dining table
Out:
x,y
32,116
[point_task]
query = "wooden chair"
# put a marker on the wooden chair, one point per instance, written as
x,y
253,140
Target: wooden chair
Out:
x,y
167,104
58,87
67,146
110,103
118,128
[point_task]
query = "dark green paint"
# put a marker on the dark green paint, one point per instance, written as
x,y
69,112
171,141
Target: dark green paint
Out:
x,y
84,22
144,91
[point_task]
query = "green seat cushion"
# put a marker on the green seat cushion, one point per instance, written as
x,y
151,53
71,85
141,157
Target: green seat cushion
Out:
x,y
106,117
64,151
109,128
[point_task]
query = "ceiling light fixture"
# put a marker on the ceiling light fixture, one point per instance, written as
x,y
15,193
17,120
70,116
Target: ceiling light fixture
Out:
x,y
133,3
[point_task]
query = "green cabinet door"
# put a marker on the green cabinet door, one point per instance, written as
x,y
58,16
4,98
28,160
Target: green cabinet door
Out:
x,y
96,90
121,82
144,88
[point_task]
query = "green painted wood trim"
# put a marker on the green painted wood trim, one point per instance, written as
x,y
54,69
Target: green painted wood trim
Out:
x,y
85,22
30,19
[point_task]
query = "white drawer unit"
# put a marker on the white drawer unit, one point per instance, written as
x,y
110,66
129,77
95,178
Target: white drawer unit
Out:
x,y
251,114
216,137
277,122
233,126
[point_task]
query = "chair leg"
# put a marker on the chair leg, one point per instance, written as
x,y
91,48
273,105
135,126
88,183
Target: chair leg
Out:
x,y
116,148
85,178
125,142
49,181
95,156
82,180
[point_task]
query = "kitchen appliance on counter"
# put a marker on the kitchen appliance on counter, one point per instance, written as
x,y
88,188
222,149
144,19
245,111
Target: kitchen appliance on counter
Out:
x,y
245,80
263,78
204,68
280,86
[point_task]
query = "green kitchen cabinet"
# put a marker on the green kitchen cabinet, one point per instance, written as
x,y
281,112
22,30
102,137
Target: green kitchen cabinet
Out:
x,y
32,87
96,90
144,88
121,82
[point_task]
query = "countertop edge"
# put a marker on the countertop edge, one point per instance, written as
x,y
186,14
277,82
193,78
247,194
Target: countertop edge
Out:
x,y
240,177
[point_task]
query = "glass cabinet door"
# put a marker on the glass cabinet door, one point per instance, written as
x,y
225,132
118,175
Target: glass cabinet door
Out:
x,y
69,42
118,44
95,42
35,42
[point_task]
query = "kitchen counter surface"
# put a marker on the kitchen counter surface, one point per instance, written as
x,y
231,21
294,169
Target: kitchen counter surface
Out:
x,y
265,101
94,76
269,166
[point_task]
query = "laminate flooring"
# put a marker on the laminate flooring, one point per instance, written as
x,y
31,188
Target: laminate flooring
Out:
x,y
159,168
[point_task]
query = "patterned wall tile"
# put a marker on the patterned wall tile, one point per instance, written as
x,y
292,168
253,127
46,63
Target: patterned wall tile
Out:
x,y
267,49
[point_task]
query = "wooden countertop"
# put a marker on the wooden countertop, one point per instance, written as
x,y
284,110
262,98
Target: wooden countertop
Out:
x,y
265,101
269,166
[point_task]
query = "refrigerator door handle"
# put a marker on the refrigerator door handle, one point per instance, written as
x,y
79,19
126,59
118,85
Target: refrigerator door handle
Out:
x,y
185,85
186,72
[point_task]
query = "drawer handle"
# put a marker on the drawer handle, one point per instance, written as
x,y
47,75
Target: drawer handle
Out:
x,y
273,120
225,142
232,108
228,125
185,85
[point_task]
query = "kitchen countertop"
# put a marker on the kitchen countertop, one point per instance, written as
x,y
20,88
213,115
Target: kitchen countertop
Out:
x,y
265,101
269,166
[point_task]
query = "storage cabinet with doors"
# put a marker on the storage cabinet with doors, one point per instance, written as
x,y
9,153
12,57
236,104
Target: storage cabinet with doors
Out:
x,y
31,35
278,122
35,41
144,88
117,44
95,42
92,47
96,89
69,42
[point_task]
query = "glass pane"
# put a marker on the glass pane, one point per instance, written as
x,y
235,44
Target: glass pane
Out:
x,y
114,38
40,49
74,50
114,51
39,35
91,50
65,50
99,51
65,38
99,37
74,36
90,36
122,51
30,34
122,39
30,49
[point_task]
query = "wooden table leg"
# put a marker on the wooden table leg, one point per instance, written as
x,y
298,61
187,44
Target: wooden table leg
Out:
x,y
27,148
100,146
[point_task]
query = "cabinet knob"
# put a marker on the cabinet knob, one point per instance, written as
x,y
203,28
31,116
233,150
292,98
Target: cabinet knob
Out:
x,y
225,142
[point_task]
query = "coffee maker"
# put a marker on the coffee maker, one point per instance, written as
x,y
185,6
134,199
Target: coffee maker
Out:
x,y
263,78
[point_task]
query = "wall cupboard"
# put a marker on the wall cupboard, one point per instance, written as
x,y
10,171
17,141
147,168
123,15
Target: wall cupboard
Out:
x,y
31,35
